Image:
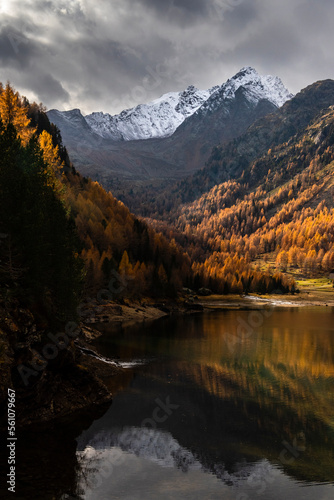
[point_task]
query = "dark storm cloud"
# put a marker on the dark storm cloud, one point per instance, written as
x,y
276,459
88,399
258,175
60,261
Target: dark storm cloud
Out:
x,y
113,54
178,10
238,18
49,87
16,49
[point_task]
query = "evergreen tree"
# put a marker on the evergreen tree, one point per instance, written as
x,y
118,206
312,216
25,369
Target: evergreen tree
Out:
x,y
39,229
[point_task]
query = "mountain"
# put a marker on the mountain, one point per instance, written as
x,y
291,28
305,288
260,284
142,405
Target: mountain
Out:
x,y
224,116
235,159
159,118
180,130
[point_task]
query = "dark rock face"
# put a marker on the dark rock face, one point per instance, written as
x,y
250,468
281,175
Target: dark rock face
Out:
x,y
51,389
190,146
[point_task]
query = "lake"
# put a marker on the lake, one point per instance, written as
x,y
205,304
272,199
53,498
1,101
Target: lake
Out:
x,y
235,405
228,404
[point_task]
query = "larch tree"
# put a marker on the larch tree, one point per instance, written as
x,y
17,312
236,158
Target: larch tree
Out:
x,y
13,111
50,152
125,267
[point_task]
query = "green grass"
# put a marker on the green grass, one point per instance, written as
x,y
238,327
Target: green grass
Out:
x,y
315,283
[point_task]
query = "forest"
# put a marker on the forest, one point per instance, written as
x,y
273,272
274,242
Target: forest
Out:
x,y
274,218
62,234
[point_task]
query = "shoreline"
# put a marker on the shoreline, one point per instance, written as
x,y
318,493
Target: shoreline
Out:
x,y
233,302
138,311
129,313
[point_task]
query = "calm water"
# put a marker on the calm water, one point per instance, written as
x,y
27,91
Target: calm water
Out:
x,y
226,405
233,405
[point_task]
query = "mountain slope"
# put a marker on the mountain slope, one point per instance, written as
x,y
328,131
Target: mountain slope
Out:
x,y
163,116
281,215
233,161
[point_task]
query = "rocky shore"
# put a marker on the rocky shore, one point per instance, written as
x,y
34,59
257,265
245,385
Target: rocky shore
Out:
x,y
56,375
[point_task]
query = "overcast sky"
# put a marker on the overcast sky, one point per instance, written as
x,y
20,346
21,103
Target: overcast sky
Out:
x,y
108,55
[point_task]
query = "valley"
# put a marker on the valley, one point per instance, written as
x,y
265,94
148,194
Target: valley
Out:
x,y
263,204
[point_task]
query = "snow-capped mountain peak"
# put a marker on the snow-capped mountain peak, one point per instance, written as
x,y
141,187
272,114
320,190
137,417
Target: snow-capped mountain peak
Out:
x,y
259,87
161,117
255,87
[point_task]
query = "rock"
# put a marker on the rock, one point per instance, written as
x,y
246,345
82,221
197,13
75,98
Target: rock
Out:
x,y
204,292
193,307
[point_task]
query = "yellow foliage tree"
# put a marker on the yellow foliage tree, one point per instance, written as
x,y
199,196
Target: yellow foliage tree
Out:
x,y
52,159
50,153
125,266
12,110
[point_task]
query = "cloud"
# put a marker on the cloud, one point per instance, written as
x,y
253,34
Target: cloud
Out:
x,y
180,12
16,49
109,55
48,87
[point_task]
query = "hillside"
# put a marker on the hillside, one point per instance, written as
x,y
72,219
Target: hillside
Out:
x,y
234,160
103,237
278,215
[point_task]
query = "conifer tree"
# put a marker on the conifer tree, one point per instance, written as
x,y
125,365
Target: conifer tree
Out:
x,y
41,233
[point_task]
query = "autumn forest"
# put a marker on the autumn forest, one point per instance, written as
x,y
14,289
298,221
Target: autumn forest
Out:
x,y
63,236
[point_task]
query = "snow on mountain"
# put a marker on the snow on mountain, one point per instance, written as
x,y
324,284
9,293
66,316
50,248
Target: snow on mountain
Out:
x,y
256,87
159,118
259,87
161,448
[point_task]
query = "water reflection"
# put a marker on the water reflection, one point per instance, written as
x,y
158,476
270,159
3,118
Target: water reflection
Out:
x,y
47,464
248,400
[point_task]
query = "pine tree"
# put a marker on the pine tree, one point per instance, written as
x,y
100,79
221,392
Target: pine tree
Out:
x,y
41,233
